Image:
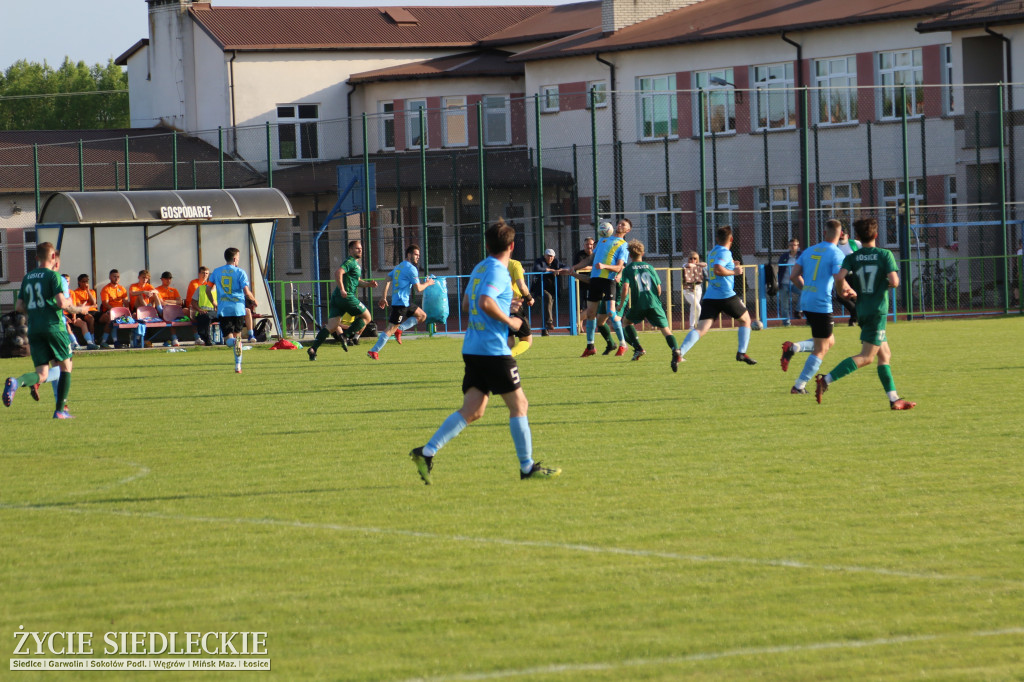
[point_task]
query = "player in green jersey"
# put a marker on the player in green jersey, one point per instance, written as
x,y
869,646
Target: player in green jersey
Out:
x,y
642,290
42,299
872,273
344,300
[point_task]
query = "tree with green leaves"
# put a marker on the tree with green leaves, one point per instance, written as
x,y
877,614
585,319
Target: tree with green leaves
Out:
x,y
36,96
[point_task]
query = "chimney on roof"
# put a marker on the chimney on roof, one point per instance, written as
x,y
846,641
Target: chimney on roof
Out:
x,y
618,14
400,16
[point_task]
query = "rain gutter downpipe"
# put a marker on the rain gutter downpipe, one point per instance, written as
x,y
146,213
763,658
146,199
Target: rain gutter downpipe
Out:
x,y
616,152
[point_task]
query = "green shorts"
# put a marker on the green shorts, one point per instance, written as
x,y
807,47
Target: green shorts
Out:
x,y
655,316
338,306
872,329
49,345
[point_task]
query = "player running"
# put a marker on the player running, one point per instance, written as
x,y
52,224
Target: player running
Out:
x,y
642,290
874,273
42,299
404,313
344,300
814,272
232,285
722,298
608,260
490,367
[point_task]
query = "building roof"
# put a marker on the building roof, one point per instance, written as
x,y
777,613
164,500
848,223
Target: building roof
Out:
x,y
149,152
462,65
122,59
348,28
722,19
548,24
975,14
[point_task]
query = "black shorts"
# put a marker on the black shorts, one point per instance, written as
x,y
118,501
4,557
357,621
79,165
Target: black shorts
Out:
x,y
497,374
713,307
524,328
231,325
601,289
821,324
400,313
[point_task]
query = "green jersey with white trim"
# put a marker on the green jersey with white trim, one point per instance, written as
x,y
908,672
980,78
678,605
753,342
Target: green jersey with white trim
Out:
x,y
39,291
643,286
869,270
353,273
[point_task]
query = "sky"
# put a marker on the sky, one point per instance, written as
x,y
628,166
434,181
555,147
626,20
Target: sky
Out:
x,y
94,31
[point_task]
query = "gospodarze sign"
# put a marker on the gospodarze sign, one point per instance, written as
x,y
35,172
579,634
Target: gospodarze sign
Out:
x,y
186,212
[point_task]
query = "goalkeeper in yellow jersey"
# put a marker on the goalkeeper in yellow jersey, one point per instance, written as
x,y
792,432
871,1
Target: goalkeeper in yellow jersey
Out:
x,y
521,339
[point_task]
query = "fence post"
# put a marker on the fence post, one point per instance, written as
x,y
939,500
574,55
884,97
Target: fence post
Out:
x,y
668,198
220,154
540,173
1002,198
904,228
702,124
35,173
423,188
270,158
174,157
575,229
117,177
81,166
368,242
195,175
483,179
127,174
593,153
805,162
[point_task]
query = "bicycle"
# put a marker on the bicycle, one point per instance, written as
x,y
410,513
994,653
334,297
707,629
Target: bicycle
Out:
x,y
936,287
301,321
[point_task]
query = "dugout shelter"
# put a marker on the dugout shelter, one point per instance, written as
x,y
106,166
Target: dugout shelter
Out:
x,y
175,230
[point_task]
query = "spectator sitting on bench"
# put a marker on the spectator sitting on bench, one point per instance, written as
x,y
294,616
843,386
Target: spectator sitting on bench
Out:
x,y
84,322
169,296
143,293
203,305
202,280
250,305
113,295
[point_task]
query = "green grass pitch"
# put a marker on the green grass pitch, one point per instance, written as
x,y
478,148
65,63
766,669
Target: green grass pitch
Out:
x,y
707,525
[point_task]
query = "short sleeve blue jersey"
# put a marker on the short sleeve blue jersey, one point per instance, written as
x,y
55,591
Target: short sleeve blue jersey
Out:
x,y
486,335
230,282
403,277
609,251
720,286
818,265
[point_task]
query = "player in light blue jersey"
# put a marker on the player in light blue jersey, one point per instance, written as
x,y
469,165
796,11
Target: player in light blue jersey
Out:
x,y
404,313
815,271
232,286
722,298
490,367
607,262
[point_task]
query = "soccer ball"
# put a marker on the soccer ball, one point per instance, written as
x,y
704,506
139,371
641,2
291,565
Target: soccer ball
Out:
x,y
606,229
756,325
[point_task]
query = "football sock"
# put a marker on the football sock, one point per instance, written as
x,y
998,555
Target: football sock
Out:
x,y
811,368
617,323
63,388
28,379
408,324
106,336
885,376
606,332
671,341
743,334
382,338
519,348
356,327
591,328
450,428
847,366
520,428
692,337
88,337
631,339
321,336
803,346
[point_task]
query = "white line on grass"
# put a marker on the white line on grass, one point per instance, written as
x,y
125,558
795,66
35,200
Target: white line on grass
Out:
x,y
590,549
712,655
140,472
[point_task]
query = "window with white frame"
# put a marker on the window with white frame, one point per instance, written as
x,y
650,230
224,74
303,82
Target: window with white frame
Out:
x,y
719,101
721,206
952,211
29,238
841,201
390,247
901,71
778,209
387,125
836,83
415,122
434,239
664,223
297,131
949,96
549,99
454,123
897,213
776,96
659,116
600,94
497,122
